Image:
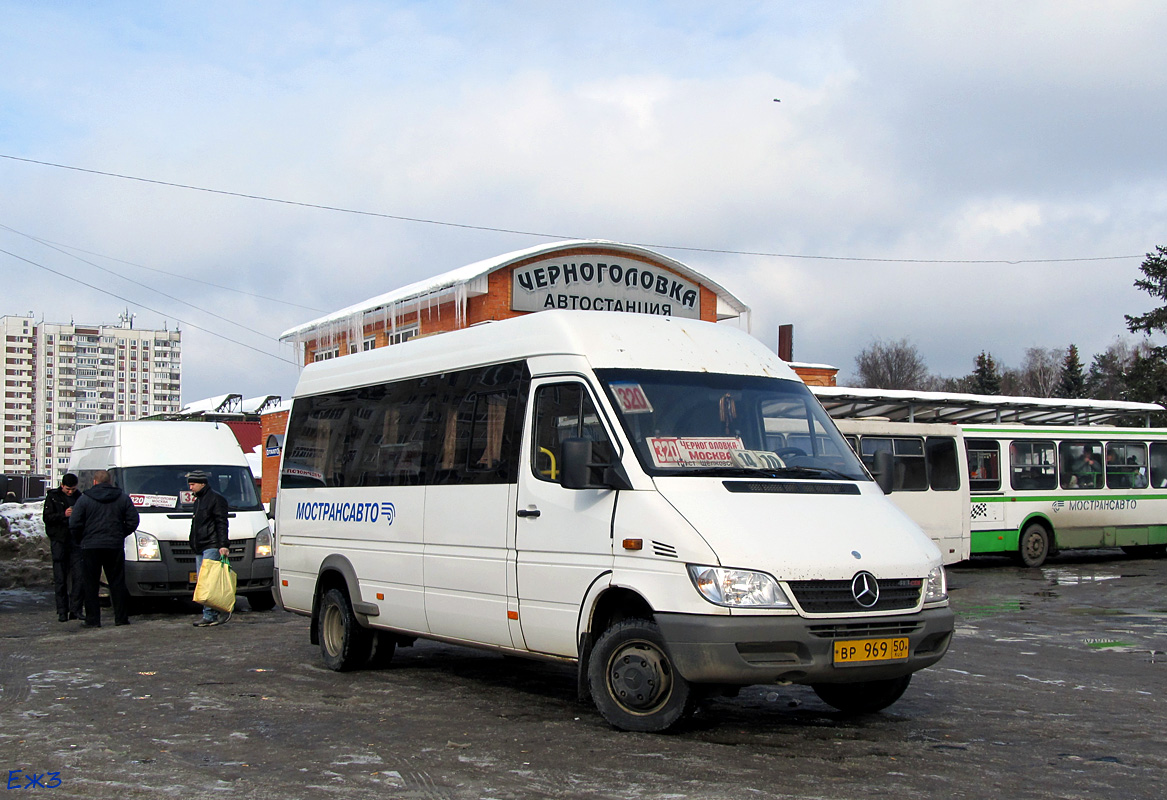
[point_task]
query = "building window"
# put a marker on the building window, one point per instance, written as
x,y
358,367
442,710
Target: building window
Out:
x,y
401,335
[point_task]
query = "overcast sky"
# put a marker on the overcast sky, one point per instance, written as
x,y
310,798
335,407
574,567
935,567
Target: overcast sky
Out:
x,y
946,131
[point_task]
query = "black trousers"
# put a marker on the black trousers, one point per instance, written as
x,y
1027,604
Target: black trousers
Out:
x,y
113,561
67,580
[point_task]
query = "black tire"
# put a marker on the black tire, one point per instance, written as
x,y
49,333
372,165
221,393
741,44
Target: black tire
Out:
x,y
384,646
633,681
1033,546
344,644
261,601
865,697
1146,550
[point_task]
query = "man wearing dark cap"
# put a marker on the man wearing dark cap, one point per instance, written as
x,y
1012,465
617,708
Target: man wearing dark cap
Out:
x,y
59,504
101,520
208,534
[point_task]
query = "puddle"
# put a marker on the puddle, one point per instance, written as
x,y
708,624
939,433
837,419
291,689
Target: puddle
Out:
x,y
1065,577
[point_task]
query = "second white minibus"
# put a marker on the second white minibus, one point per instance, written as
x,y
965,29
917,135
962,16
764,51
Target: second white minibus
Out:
x,y
601,489
149,460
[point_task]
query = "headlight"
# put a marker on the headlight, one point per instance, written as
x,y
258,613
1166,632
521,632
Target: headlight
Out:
x,y
263,544
738,587
936,586
147,547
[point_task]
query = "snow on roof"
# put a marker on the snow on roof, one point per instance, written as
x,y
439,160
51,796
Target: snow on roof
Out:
x,y
256,405
216,403
465,282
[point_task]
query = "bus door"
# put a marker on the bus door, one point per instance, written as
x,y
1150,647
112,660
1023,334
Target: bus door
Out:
x,y
563,540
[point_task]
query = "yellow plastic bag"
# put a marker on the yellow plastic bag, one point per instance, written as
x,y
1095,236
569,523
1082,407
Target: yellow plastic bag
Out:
x,y
216,586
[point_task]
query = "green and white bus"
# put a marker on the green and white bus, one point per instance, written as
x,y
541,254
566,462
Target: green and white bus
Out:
x,y
1037,490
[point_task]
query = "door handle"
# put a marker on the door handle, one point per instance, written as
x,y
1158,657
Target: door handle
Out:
x,y
527,512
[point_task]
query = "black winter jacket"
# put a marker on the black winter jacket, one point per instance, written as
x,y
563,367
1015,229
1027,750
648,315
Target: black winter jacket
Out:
x,y
103,517
56,523
208,523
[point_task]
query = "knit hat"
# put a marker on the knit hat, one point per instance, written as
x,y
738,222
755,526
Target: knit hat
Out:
x,y
197,476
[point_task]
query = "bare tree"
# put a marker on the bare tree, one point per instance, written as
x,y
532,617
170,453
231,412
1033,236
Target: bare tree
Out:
x,y
1040,371
891,365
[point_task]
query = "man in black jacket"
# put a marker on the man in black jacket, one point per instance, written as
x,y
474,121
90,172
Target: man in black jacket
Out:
x,y
101,520
208,534
66,556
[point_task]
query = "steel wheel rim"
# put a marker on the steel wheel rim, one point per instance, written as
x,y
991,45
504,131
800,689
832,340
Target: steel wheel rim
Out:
x,y
332,630
639,677
1034,545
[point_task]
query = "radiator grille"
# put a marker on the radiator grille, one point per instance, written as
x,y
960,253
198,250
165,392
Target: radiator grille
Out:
x,y
835,597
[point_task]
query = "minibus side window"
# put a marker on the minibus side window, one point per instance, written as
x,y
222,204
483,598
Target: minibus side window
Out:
x,y
1159,465
984,465
477,441
565,411
1081,465
943,470
1031,465
1126,465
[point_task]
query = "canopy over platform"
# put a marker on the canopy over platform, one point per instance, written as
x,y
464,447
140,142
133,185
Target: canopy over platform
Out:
x,y
844,402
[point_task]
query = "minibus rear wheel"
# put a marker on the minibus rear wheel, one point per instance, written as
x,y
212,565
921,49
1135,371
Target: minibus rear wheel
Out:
x,y
633,681
865,697
344,644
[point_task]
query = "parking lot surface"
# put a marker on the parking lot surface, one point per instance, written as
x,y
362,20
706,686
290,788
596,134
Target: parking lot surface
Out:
x,y
1053,688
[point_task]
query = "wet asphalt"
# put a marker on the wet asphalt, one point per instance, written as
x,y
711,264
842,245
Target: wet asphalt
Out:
x,y
1054,688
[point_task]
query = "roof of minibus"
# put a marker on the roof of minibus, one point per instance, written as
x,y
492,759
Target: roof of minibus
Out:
x,y
605,339
148,442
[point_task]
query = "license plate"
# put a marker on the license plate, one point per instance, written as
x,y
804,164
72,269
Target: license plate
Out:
x,y
865,651
193,577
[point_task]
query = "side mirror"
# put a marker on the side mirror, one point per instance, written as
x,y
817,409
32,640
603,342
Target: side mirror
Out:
x,y
884,472
579,469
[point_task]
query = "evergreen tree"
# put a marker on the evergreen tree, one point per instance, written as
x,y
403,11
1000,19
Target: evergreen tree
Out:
x,y
1072,383
1154,283
986,376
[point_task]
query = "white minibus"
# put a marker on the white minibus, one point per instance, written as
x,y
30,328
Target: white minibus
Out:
x,y
930,475
598,488
1037,490
149,460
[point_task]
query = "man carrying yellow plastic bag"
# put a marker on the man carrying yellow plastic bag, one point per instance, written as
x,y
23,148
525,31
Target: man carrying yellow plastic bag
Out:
x,y
208,539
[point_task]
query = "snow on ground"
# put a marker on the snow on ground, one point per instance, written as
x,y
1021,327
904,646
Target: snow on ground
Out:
x,y
24,519
25,557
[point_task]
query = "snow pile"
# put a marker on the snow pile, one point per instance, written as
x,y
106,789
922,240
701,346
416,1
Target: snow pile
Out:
x,y
25,557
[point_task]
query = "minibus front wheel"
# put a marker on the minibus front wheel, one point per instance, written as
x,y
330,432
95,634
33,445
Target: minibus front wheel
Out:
x,y
633,681
344,644
865,697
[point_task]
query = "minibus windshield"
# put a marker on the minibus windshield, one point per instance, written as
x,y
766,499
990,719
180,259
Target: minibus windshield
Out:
x,y
164,488
697,423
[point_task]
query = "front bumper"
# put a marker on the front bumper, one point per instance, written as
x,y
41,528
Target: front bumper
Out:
x,y
170,577
748,650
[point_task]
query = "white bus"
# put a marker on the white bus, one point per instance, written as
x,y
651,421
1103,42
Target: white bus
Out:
x,y
149,460
1038,490
599,489
930,484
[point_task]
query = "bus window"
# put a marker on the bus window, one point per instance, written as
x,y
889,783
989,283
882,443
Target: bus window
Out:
x,y
1159,465
943,472
1126,466
1031,465
984,465
1081,465
909,466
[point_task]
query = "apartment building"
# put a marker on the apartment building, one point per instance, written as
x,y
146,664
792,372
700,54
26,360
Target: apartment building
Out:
x,y
60,377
